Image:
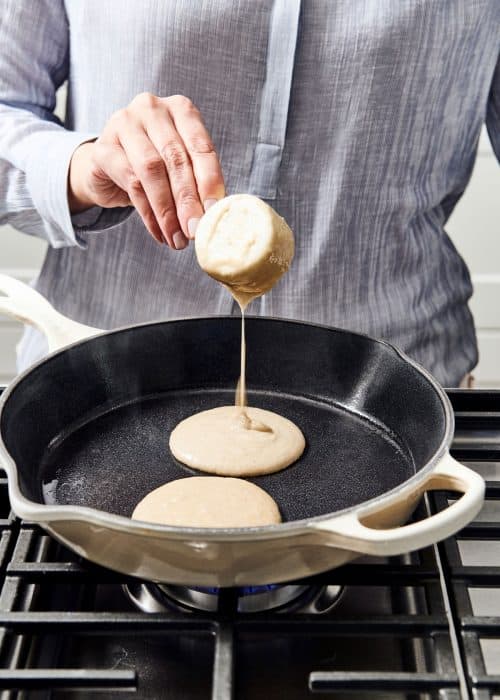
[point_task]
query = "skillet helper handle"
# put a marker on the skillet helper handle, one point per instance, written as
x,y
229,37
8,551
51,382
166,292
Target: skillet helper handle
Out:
x,y
448,475
25,304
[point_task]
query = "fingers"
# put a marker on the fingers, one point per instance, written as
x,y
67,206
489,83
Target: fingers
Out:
x,y
110,164
205,162
149,167
165,161
178,167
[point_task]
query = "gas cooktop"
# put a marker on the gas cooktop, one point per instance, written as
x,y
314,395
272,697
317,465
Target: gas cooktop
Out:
x,y
425,625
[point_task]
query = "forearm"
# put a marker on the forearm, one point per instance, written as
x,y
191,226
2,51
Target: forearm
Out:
x,y
34,160
35,149
16,204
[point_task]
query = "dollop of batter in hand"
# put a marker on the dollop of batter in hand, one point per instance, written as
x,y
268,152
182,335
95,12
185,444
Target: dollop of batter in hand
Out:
x,y
244,244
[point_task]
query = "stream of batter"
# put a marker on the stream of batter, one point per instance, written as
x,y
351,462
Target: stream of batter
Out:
x,y
246,246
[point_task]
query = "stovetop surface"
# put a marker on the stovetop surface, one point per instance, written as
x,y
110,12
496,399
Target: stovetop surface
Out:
x,y
425,625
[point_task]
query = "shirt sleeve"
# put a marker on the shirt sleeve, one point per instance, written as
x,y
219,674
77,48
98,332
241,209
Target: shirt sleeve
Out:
x,y
35,148
493,112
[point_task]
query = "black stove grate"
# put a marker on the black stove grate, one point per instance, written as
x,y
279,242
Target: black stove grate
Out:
x,y
477,416
406,627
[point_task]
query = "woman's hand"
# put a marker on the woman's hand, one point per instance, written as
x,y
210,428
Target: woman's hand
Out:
x,y
156,155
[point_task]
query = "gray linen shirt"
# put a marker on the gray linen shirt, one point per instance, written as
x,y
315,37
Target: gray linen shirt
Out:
x,y
358,120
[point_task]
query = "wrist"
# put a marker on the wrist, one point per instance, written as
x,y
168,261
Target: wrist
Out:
x,y
79,199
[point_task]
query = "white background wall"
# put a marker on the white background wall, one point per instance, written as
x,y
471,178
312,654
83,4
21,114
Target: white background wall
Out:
x,y
474,228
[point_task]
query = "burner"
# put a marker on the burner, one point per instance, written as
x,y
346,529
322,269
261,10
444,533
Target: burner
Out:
x,y
317,600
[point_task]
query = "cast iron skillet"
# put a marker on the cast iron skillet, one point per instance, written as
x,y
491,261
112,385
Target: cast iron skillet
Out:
x,y
84,436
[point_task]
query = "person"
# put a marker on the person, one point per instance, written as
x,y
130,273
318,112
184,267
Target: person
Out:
x,y
358,121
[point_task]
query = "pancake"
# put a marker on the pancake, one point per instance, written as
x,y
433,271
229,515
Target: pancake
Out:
x,y
208,501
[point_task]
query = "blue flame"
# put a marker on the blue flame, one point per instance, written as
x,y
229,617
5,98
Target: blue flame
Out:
x,y
243,591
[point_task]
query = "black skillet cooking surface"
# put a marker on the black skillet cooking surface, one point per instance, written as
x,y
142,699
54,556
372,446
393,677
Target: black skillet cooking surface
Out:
x,y
96,418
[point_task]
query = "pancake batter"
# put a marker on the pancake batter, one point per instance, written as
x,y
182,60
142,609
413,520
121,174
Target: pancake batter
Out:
x,y
244,244
234,442
208,501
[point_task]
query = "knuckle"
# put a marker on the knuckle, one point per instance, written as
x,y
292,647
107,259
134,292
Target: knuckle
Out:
x,y
145,99
211,181
201,145
174,156
152,167
118,117
181,102
186,196
134,185
168,214
96,173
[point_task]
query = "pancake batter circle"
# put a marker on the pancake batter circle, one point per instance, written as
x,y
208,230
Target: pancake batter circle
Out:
x,y
208,501
232,442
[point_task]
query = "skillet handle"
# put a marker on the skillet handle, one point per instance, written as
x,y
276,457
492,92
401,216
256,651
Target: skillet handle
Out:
x,y
25,304
448,475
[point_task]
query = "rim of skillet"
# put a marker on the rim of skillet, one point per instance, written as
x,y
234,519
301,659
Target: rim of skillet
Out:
x,y
46,514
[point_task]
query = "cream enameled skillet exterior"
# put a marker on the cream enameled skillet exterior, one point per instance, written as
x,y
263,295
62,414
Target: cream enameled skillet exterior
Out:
x,y
378,429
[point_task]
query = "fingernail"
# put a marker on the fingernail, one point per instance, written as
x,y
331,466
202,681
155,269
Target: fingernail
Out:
x,y
192,226
209,203
180,240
